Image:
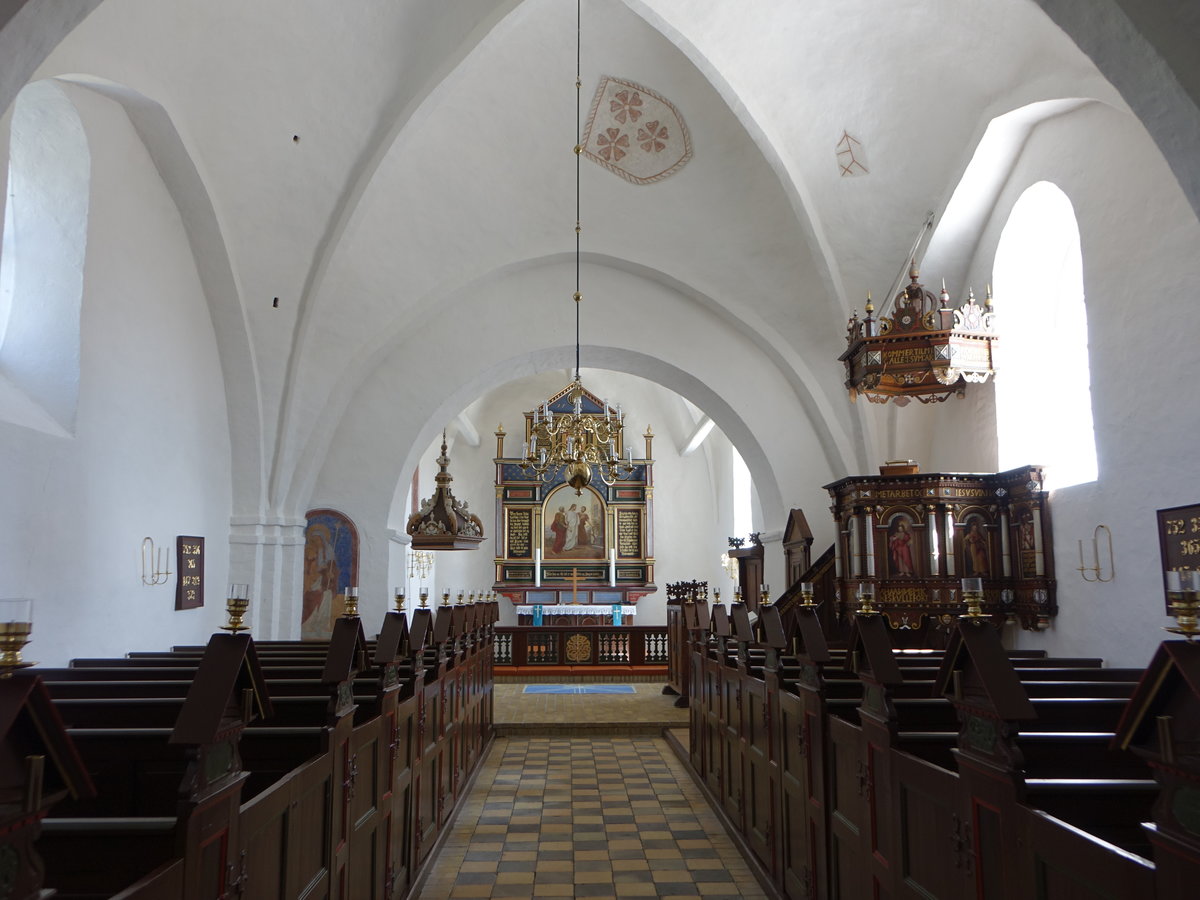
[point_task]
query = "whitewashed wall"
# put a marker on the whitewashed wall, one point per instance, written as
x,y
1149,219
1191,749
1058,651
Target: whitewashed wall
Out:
x,y
149,455
1139,238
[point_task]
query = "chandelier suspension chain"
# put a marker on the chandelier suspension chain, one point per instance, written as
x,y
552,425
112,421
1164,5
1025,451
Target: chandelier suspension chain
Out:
x,y
578,155
574,442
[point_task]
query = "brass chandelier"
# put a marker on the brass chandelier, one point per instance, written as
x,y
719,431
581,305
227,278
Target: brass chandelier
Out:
x,y
576,443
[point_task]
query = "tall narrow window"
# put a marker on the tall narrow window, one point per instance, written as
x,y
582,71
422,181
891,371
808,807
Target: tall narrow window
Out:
x,y
1043,385
742,517
42,261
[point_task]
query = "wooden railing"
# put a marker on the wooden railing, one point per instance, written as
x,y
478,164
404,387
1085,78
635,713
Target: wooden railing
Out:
x,y
633,646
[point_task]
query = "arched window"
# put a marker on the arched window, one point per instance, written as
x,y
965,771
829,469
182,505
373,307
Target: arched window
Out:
x,y
42,259
742,505
1043,385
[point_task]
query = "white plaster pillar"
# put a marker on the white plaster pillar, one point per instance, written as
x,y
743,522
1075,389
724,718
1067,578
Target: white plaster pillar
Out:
x,y
268,553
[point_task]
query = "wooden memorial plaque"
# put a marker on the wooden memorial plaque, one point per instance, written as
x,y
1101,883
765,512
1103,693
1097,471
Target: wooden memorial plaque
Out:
x,y
189,586
1179,541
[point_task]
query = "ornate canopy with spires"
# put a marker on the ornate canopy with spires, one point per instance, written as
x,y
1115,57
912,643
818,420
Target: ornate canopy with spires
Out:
x,y
444,522
926,349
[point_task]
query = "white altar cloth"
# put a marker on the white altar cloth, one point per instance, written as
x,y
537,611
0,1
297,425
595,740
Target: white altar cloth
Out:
x,y
574,609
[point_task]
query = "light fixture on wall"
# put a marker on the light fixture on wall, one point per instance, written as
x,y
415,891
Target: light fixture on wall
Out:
x,y
577,442
16,624
444,522
156,565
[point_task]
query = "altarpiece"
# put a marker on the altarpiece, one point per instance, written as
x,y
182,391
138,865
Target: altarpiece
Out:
x,y
578,553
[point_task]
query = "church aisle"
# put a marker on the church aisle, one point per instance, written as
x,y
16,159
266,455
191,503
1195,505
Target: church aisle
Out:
x,y
617,817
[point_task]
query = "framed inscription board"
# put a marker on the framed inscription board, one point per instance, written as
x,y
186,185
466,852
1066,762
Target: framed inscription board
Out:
x,y
1179,541
189,588
519,533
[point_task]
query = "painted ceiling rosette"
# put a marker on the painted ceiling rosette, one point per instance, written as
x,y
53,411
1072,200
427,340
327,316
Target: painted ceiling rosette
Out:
x,y
635,132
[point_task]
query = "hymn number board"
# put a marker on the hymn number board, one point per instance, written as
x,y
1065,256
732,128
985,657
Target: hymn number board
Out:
x,y
189,590
1179,540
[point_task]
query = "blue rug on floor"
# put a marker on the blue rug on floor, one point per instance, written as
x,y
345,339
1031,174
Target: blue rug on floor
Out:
x,y
578,689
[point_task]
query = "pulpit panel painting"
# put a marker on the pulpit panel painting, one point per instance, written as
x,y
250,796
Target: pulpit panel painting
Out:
x,y
574,525
330,566
902,546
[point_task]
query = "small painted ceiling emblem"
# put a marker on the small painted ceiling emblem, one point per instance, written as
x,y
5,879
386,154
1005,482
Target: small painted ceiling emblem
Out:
x,y
635,132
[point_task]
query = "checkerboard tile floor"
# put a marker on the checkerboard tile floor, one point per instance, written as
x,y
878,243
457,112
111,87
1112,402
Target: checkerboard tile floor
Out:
x,y
617,818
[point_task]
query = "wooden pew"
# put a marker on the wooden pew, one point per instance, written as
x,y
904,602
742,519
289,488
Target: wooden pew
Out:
x,y
373,833
852,767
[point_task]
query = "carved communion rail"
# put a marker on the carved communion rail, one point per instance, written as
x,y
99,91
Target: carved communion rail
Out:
x,y
636,648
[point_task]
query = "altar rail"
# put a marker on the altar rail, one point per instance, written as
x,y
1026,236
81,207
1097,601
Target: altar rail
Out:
x,y
632,647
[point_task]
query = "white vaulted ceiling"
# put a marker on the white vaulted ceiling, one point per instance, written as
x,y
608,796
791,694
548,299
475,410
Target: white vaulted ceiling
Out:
x,y
400,176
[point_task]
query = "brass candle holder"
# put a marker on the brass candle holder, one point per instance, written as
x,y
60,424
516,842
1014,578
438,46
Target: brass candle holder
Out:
x,y
16,624
460,599
806,594
424,598
764,591
716,595
972,589
237,601
398,593
1183,589
866,600
351,609
737,595
445,598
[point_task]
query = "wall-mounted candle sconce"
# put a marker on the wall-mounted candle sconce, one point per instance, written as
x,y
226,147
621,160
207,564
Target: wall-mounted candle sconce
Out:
x,y
1097,569
156,564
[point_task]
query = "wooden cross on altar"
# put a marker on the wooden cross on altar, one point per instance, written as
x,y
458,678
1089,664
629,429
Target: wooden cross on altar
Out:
x,y
574,584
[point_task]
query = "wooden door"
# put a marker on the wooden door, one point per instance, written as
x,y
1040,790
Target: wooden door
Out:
x,y
930,838
848,784
369,817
